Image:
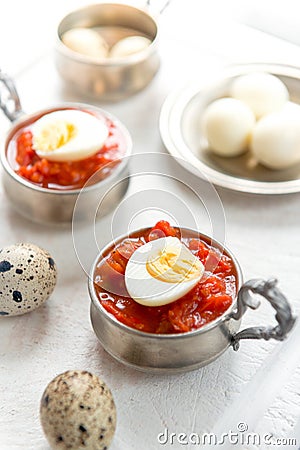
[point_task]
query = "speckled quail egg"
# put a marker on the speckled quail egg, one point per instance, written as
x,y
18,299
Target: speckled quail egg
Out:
x,y
78,412
27,278
228,125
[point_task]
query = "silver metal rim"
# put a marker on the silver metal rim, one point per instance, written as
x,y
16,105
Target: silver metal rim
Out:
x,y
101,310
176,146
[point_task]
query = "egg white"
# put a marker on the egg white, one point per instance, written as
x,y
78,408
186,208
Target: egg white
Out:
x,y
86,41
262,92
228,124
89,137
129,46
149,291
276,139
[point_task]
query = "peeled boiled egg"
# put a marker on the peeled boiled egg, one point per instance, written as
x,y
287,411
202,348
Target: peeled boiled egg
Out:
x,y
291,108
128,46
228,125
86,41
276,140
162,271
68,135
262,92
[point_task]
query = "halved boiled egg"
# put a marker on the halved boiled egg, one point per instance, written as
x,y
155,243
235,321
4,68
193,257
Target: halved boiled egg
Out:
x,y
68,135
162,271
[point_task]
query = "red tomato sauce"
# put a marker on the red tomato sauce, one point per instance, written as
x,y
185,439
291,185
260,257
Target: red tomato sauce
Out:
x,y
65,175
209,299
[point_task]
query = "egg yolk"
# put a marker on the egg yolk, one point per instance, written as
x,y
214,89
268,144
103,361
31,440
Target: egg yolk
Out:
x,y
171,266
53,136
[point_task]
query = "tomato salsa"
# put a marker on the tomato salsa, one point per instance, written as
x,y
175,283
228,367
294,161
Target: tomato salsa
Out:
x,y
209,299
70,174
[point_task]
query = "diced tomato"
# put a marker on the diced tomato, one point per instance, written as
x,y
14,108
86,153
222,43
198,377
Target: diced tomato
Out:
x,y
162,229
209,299
120,255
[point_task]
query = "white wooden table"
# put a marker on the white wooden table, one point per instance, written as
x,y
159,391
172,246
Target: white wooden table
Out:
x,y
258,385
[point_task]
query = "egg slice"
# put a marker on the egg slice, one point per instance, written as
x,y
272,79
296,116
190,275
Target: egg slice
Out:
x,y
262,92
161,272
68,135
128,46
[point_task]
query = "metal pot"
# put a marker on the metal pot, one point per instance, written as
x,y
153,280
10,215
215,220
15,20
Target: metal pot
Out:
x,y
181,352
109,78
49,205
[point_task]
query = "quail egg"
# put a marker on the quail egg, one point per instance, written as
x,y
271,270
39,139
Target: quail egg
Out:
x,y
276,140
162,271
78,412
27,278
86,41
262,92
129,46
291,108
68,135
228,125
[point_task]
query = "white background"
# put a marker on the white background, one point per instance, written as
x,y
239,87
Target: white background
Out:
x,y
259,384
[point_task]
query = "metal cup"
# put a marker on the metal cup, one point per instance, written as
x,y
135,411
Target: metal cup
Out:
x,y
181,352
109,79
48,205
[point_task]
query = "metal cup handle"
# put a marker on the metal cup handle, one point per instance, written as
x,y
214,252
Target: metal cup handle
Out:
x,y
269,290
9,99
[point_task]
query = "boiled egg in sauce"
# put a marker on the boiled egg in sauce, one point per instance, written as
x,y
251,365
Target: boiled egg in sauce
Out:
x,y
68,135
162,271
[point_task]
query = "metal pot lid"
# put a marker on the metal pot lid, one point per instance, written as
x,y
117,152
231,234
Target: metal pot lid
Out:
x,y
180,129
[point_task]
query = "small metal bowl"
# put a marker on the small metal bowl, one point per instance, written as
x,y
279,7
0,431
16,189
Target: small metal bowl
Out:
x,y
108,79
56,206
181,352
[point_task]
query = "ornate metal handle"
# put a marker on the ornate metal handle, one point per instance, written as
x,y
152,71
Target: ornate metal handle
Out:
x,y
9,99
270,292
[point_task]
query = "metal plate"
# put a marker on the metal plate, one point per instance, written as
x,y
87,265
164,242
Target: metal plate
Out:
x,y
180,128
